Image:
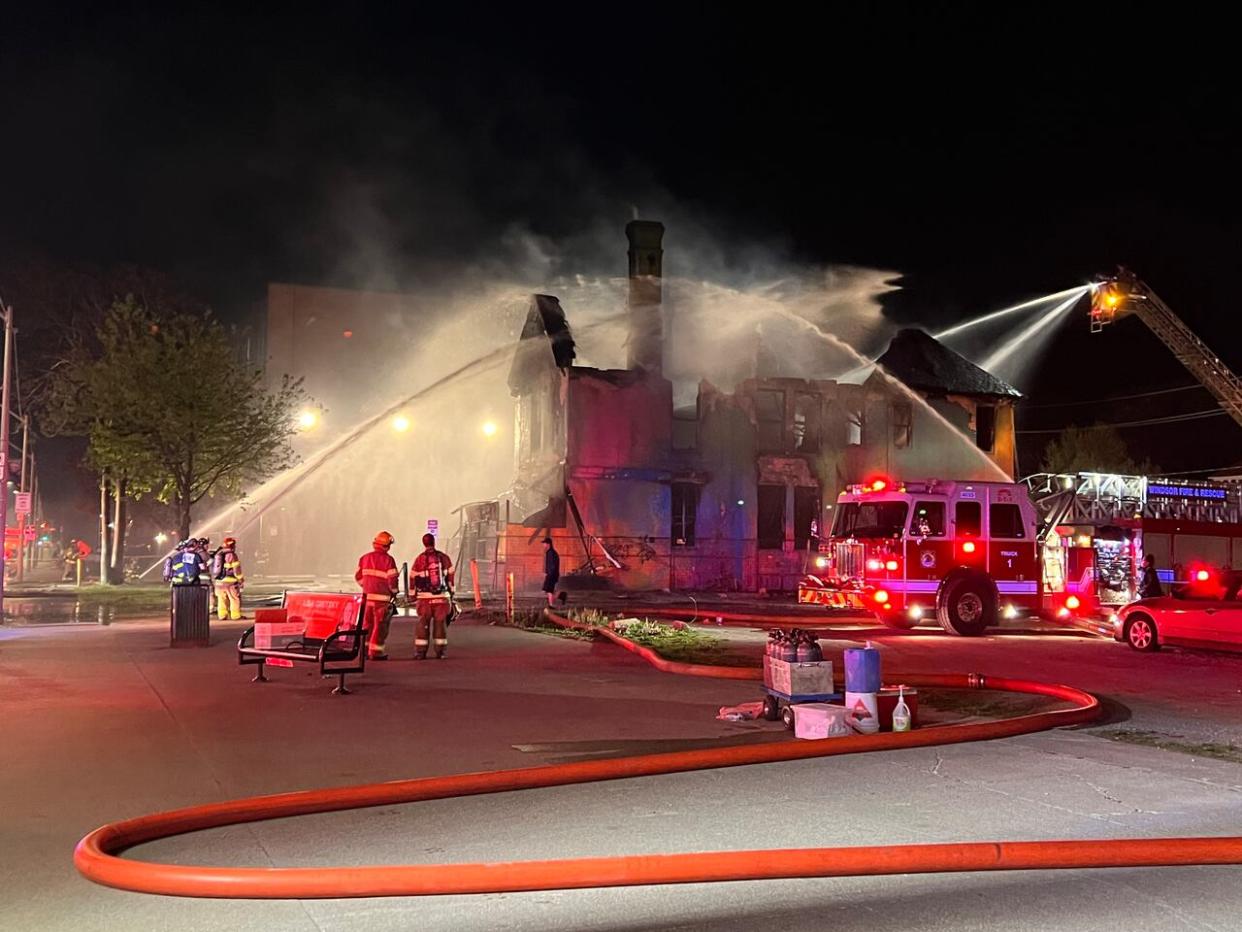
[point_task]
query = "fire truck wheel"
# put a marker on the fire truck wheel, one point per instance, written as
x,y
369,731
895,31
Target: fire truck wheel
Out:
x,y
1140,633
967,606
787,717
771,709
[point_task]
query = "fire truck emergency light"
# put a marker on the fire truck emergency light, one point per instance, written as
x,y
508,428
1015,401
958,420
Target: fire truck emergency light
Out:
x,y
968,547
1072,602
880,596
1202,575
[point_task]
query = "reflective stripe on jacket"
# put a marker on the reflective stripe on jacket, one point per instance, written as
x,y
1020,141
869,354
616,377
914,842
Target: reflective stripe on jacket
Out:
x,y
377,574
227,568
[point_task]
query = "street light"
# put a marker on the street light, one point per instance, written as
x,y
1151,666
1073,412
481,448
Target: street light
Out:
x,y
160,538
401,423
489,428
307,419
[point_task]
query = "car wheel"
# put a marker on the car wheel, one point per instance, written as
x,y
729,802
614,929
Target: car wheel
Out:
x,y
771,708
966,607
1141,634
787,716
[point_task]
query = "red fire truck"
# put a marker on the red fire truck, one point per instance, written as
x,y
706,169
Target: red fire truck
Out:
x,y
963,552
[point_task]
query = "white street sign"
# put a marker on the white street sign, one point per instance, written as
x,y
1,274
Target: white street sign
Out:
x,y
23,503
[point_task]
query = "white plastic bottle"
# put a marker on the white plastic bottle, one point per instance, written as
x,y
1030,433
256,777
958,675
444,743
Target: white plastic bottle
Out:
x,y
901,713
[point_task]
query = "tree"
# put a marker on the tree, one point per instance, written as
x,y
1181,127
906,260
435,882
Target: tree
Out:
x,y
168,410
1099,448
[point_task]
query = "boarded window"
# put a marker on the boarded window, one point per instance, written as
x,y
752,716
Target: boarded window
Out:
x,y
968,517
806,516
770,414
928,519
771,527
985,427
685,508
903,424
1006,521
807,423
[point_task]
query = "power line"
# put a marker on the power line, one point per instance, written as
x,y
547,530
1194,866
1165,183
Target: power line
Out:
x,y
1101,401
1146,422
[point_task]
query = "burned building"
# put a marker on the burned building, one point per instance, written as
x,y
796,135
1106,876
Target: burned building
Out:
x,y
731,493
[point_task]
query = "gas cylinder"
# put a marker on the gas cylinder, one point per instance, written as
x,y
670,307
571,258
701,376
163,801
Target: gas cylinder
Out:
x,y
808,649
788,649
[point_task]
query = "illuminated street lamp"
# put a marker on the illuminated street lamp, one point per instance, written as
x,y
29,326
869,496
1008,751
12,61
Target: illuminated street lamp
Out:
x,y
401,423
161,538
489,428
307,419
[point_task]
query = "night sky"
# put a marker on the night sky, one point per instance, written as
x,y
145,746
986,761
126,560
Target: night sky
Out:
x,y
989,156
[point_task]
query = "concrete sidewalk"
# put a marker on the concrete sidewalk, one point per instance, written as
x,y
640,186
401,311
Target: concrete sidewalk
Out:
x,y
108,722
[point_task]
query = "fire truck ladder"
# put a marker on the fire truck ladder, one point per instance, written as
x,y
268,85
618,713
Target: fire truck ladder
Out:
x,y
1127,293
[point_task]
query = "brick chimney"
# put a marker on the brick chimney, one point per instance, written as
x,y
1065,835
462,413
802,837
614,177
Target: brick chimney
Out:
x,y
645,347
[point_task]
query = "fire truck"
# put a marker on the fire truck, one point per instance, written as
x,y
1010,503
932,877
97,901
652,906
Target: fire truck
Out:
x,y
963,552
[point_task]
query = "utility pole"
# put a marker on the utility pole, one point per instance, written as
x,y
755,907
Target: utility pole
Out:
x,y
21,515
4,443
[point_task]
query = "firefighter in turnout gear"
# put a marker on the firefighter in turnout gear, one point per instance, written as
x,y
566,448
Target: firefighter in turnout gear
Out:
x,y
226,571
377,574
431,578
186,566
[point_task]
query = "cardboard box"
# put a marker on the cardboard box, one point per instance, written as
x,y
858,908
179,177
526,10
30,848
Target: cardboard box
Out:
x,y
815,720
798,679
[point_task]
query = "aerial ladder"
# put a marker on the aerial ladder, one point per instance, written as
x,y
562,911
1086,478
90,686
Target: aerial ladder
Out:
x,y
1126,293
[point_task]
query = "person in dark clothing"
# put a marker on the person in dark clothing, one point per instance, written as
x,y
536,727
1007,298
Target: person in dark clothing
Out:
x,y
551,569
1149,583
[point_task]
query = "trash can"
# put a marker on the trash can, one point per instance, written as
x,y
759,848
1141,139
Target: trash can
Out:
x,y
190,616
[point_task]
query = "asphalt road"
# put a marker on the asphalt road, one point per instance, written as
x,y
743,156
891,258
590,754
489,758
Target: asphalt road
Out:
x,y
108,722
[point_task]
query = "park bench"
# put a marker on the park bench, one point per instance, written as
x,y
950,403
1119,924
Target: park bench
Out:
x,y
325,628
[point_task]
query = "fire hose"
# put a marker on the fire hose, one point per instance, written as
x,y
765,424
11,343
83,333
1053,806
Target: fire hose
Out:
x,y
97,856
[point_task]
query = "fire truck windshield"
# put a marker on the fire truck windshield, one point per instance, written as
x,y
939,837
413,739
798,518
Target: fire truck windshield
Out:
x,y
870,519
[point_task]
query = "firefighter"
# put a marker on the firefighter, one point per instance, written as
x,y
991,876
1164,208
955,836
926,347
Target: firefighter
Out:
x,y
377,574
431,578
1149,581
186,567
226,572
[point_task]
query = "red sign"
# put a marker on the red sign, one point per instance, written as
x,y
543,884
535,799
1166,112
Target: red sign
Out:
x,y
322,613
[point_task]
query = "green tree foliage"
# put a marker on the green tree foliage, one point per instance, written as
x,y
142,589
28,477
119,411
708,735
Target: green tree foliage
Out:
x,y
1098,448
167,408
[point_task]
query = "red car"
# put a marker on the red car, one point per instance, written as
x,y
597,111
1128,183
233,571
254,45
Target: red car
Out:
x,y
1205,613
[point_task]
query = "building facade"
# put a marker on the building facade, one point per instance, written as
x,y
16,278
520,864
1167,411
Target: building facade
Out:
x,y
733,493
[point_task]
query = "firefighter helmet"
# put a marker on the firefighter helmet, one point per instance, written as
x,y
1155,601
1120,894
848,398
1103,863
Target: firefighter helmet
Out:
x,y
230,543
383,539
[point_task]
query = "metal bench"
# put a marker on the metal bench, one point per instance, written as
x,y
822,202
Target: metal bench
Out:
x,y
318,627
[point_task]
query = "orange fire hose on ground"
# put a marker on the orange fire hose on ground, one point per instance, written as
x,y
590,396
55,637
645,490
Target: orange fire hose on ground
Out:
x,y
97,856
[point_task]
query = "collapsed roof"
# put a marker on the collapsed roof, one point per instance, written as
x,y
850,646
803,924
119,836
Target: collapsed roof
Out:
x,y
545,320
924,364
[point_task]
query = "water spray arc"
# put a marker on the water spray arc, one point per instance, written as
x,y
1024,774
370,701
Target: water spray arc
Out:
x,y
1074,293
1015,342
